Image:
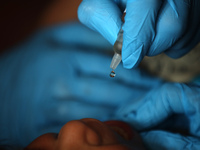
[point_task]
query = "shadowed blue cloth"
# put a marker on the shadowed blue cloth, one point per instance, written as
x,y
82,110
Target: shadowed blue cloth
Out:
x,y
62,73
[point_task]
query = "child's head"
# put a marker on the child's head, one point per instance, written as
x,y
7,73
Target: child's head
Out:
x,y
90,134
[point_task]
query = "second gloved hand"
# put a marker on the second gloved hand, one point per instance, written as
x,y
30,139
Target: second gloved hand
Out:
x,y
151,26
168,114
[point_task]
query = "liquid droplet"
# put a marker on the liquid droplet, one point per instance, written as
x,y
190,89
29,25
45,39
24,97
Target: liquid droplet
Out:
x,y
112,74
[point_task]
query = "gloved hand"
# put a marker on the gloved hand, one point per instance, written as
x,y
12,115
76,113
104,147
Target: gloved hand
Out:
x,y
61,74
172,107
151,26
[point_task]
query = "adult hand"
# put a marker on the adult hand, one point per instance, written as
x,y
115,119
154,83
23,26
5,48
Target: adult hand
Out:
x,y
173,107
151,26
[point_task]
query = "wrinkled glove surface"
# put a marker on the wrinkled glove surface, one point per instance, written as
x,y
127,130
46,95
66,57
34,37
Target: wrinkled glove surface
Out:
x,y
168,116
151,26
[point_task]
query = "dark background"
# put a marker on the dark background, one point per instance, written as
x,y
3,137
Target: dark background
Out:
x,y
20,18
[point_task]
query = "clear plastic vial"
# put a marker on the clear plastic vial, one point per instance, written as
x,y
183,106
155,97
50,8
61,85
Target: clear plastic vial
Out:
x,y
117,52
117,49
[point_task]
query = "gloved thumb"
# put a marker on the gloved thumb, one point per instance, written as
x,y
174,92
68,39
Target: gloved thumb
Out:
x,y
103,16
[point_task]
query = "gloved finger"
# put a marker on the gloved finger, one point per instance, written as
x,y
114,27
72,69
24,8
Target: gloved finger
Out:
x,y
103,16
159,104
75,34
171,25
192,35
157,140
139,30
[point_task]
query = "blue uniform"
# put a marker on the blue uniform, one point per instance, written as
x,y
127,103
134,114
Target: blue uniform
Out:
x,y
62,73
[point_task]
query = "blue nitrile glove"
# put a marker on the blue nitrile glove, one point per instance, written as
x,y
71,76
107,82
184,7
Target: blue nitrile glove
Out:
x,y
57,75
151,26
172,107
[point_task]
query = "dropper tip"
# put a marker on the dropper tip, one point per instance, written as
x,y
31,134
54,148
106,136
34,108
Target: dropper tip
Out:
x,y
112,74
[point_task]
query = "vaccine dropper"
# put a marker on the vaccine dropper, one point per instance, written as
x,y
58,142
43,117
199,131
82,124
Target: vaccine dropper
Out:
x,y
117,53
117,49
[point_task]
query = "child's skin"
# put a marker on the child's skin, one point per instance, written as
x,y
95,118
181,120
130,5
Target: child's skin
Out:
x,y
90,134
